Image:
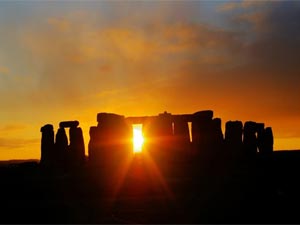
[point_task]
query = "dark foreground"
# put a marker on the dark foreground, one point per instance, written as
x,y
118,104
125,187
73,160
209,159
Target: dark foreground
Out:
x,y
140,190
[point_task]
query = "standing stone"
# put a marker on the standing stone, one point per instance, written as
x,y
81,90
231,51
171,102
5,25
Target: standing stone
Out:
x,y
234,134
159,134
61,147
93,144
202,129
268,141
113,138
47,144
260,129
181,133
217,132
77,152
249,141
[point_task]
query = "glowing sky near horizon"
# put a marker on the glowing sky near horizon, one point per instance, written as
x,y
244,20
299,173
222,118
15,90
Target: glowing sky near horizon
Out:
x,y
70,60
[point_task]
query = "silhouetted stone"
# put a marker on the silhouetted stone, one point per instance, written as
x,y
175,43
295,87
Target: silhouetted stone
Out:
x,y
249,141
47,145
110,140
93,144
61,148
159,133
181,132
234,134
109,119
69,124
217,133
205,114
160,125
77,152
260,129
268,141
181,139
202,131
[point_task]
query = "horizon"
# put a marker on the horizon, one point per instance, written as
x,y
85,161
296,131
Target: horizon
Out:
x,y
71,60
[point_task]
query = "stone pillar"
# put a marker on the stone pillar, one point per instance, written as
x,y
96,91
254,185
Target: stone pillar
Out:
x,y
47,144
93,144
234,134
268,141
202,129
217,133
249,140
181,133
77,152
181,139
260,129
114,138
159,135
61,147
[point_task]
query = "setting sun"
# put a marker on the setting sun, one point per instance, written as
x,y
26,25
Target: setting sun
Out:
x,y
138,138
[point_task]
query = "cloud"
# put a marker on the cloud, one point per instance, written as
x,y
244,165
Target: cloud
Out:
x,y
4,70
244,5
15,143
228,6
13,127
93,58
59,23
276,45
104,58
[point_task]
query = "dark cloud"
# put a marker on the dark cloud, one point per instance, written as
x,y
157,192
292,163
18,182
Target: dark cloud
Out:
x,y
275,43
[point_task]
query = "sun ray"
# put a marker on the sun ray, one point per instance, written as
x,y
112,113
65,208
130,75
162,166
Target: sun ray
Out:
x,y
138,139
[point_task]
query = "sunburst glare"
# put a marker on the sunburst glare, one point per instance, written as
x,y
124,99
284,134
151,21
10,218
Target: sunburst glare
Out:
x,y
138,139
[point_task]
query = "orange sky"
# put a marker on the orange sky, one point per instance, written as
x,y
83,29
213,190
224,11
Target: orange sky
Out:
x,y
70,60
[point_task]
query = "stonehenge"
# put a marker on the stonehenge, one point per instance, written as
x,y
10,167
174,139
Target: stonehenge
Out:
x,y
170,134
61,152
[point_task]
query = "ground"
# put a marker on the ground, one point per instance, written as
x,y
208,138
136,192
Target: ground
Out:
x,y
253,191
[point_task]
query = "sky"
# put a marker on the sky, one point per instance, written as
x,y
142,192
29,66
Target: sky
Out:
x,y
69,60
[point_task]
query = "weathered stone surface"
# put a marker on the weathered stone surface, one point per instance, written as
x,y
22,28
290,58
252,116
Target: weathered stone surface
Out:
x,y
47,144
65,124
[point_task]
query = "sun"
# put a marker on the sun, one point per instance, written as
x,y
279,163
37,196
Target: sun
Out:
x,y
138,138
